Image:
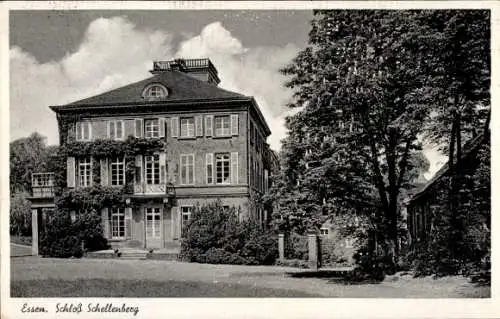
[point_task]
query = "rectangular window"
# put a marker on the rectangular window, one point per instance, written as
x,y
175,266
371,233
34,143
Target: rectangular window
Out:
x,y
83,131
222,166
85,172
153,222
222,125
187,169
115,130
152,169
118,171
323,231
187,127
185,217
151,128
117,223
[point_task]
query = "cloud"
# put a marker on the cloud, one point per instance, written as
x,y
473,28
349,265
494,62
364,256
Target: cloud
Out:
x,y
114,52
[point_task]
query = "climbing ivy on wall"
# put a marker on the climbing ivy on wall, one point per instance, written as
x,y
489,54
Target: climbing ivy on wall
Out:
x,y
97,196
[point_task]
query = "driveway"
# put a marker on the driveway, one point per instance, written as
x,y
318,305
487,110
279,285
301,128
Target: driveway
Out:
x,y
268,277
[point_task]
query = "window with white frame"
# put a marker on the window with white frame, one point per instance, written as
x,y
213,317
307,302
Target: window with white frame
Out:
x,y
117,223
151,128
222,125
187,169
323,231
153,222
222,168
185,217
83,131
187,127
117,171
115,130
152,167
85,172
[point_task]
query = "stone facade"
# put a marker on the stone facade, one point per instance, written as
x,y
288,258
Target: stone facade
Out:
x,y
214,149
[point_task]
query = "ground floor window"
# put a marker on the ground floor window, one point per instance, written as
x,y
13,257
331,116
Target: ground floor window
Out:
x,y
185,216
153,222
117,223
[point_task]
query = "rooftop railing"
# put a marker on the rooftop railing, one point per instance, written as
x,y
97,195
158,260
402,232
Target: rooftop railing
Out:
x,y
185,63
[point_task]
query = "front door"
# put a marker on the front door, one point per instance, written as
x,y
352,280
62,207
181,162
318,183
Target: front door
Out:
x,y
153,227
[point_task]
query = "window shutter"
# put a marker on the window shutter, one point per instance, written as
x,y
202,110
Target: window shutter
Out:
x,y
266,181
175,126
105,222
138,127
110,130
71,133
209,120
128,222
198,122
161,122
163,171
234,168
234,124
70,171
138,171
209,157
78,129
104,171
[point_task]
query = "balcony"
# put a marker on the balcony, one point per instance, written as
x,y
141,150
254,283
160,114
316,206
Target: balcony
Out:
x,y
42,185
150,189
155,189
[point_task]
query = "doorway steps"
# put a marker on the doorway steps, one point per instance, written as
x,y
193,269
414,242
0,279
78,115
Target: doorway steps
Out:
x,y
135,254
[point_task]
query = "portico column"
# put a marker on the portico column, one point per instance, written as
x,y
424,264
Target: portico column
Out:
x,y
34,232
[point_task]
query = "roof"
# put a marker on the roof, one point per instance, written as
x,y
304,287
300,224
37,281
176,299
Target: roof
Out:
x,y
181,86
183,89
469,147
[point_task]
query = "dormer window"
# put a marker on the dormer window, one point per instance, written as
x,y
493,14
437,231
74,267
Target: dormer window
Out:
x,y
155,92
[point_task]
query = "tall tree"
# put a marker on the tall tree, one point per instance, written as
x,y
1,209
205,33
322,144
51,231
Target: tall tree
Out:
x,y
462,77
28,155
363,92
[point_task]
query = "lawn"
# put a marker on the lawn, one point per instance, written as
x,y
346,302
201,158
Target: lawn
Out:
x,y
21,240
142,288
51,277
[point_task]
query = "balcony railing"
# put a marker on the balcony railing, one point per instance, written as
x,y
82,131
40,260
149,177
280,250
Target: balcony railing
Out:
x,y
144,189
42,185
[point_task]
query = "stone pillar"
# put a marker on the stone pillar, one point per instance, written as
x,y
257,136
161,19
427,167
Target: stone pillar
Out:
x,y
281,246
313,251
34,232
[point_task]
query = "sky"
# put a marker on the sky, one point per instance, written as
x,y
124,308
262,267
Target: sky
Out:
x,y
57,57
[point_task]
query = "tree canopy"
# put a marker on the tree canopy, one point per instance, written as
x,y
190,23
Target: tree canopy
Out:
x,y
365,87
28,155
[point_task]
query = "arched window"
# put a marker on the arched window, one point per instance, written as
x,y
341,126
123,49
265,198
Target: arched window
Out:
x,y
155,92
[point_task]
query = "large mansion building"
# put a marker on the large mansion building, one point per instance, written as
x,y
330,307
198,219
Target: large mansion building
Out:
x,y
213,148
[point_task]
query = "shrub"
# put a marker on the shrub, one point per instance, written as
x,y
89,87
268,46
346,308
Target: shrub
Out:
x,y
20,216
297,247
371,264
296,263
63,238
214,235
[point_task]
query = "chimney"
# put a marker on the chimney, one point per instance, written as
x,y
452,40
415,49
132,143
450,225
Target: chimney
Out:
x,y
201,69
